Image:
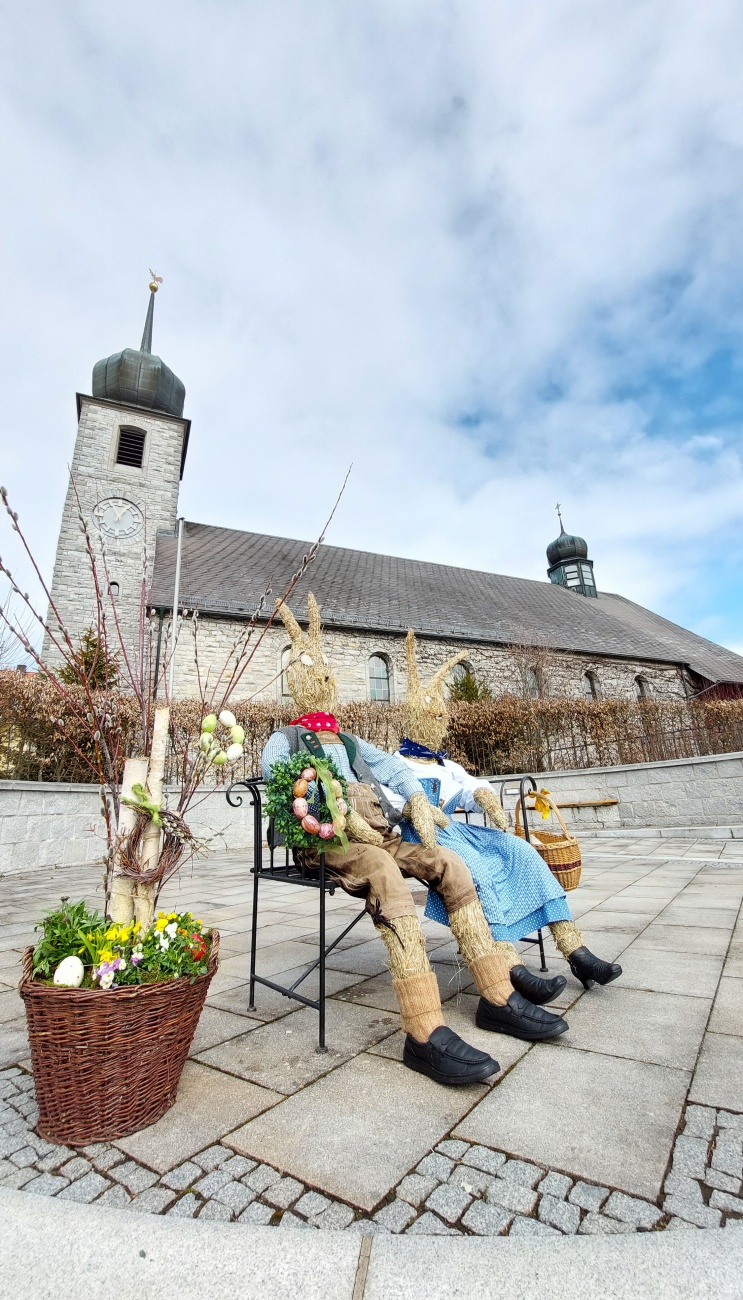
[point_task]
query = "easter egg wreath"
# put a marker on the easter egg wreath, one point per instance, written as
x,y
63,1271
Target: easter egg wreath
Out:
x,y
308,801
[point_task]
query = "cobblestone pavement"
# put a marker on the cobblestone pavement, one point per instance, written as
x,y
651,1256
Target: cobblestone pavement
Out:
x,y
670,1034
460,1188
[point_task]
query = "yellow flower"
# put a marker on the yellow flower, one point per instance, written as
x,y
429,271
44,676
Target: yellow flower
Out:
x,y
161,923
137,927
105,955
172,916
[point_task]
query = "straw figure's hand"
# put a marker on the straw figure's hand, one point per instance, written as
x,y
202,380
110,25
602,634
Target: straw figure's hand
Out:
x,y
360,830
440,817
490,804
421,815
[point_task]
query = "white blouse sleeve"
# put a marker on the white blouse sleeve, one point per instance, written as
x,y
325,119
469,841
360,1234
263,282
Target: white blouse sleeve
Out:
x,y
468,785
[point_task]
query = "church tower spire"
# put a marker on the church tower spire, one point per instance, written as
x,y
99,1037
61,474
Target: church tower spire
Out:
x,y
569,565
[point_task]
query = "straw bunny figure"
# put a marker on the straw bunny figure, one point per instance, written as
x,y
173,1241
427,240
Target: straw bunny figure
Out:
x,y
425,720
377,860
517,890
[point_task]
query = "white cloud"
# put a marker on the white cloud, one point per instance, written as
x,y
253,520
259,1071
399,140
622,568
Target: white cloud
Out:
x,y
373,221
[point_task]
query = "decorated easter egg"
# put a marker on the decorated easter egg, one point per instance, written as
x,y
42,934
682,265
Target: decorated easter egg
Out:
x,y
337,789
308,774
227,718
70,972
209,722
342,807
219,759
310,824
234,752
300,808
299,788
238,734
339,824
327,830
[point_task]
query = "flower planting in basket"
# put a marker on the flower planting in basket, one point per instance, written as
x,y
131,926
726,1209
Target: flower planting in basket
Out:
x,y
560,851
113,996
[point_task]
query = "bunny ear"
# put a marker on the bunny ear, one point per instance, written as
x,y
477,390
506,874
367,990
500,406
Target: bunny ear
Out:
x,y
439,676
313,613
413,679
290,622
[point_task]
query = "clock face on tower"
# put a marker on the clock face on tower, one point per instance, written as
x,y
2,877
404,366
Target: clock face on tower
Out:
x,y
118,518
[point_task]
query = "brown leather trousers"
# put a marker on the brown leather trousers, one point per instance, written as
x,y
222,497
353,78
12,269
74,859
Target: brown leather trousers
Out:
x,y
377,873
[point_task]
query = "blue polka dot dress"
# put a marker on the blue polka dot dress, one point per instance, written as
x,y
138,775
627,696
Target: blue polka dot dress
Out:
x,y
518,892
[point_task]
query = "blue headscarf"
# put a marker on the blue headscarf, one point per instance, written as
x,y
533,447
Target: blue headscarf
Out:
x,y
411,749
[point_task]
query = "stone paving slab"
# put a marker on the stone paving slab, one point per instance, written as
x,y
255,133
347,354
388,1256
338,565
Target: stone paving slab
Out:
x,y
362,959
331,1134
613,1268
270,1005
13,1041
58,1256
718,1080
283,1055
727,1013
660,1028
701,940
209,1104
603,1118
216,1026
667,971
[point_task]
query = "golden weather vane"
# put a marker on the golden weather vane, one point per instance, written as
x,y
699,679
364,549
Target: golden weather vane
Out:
x,y
155,280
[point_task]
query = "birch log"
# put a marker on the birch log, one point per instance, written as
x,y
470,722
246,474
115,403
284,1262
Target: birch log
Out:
x,y
144,895
122,887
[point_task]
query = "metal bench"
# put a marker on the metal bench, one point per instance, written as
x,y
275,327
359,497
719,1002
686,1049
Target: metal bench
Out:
x,y
293,873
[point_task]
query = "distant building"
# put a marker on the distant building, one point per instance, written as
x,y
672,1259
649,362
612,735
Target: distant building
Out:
x,y
536,638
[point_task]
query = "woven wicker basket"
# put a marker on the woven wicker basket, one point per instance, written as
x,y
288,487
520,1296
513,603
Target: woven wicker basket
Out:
x,y
560,852
108,1063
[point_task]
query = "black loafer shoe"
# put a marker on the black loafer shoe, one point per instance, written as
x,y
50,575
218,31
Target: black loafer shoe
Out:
x,y
520,1019
448,1059
591,970
535,989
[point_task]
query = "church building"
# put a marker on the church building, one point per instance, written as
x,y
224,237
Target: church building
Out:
x,y
559,637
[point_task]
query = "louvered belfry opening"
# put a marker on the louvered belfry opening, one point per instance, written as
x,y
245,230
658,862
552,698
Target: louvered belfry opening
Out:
x,y
131,447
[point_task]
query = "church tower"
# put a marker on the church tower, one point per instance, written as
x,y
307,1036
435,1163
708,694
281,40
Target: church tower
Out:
x,y
569,565
124,480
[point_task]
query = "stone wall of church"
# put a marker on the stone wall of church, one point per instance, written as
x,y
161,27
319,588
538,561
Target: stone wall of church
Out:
x,y
503,668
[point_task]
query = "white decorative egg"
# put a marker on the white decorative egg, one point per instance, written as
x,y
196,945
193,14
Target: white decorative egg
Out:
x,y
227,718
70,972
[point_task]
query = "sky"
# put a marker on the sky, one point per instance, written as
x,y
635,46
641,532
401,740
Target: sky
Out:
x,y
491,253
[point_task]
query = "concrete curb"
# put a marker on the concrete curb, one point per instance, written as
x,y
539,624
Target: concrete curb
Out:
x,y
51,1248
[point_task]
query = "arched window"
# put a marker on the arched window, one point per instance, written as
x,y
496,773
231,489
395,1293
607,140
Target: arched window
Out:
x,y
590,686
113,588
531,683
286,655
641,687
379,679
130,449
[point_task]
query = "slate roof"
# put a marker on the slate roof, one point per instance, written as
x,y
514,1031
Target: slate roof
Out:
x,y
224,572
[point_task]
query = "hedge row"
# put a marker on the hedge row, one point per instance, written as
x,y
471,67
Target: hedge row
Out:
x,y
502,735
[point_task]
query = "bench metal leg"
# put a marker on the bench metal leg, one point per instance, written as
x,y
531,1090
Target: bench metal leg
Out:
x,y
540,941
321,1047
253,940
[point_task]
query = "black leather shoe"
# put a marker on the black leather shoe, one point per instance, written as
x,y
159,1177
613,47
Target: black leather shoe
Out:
x,y
520,1019
535,989
592,970
448,1059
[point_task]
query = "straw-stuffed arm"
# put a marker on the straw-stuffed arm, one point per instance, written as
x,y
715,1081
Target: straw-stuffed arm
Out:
x,y
360,830
488,800
419,811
